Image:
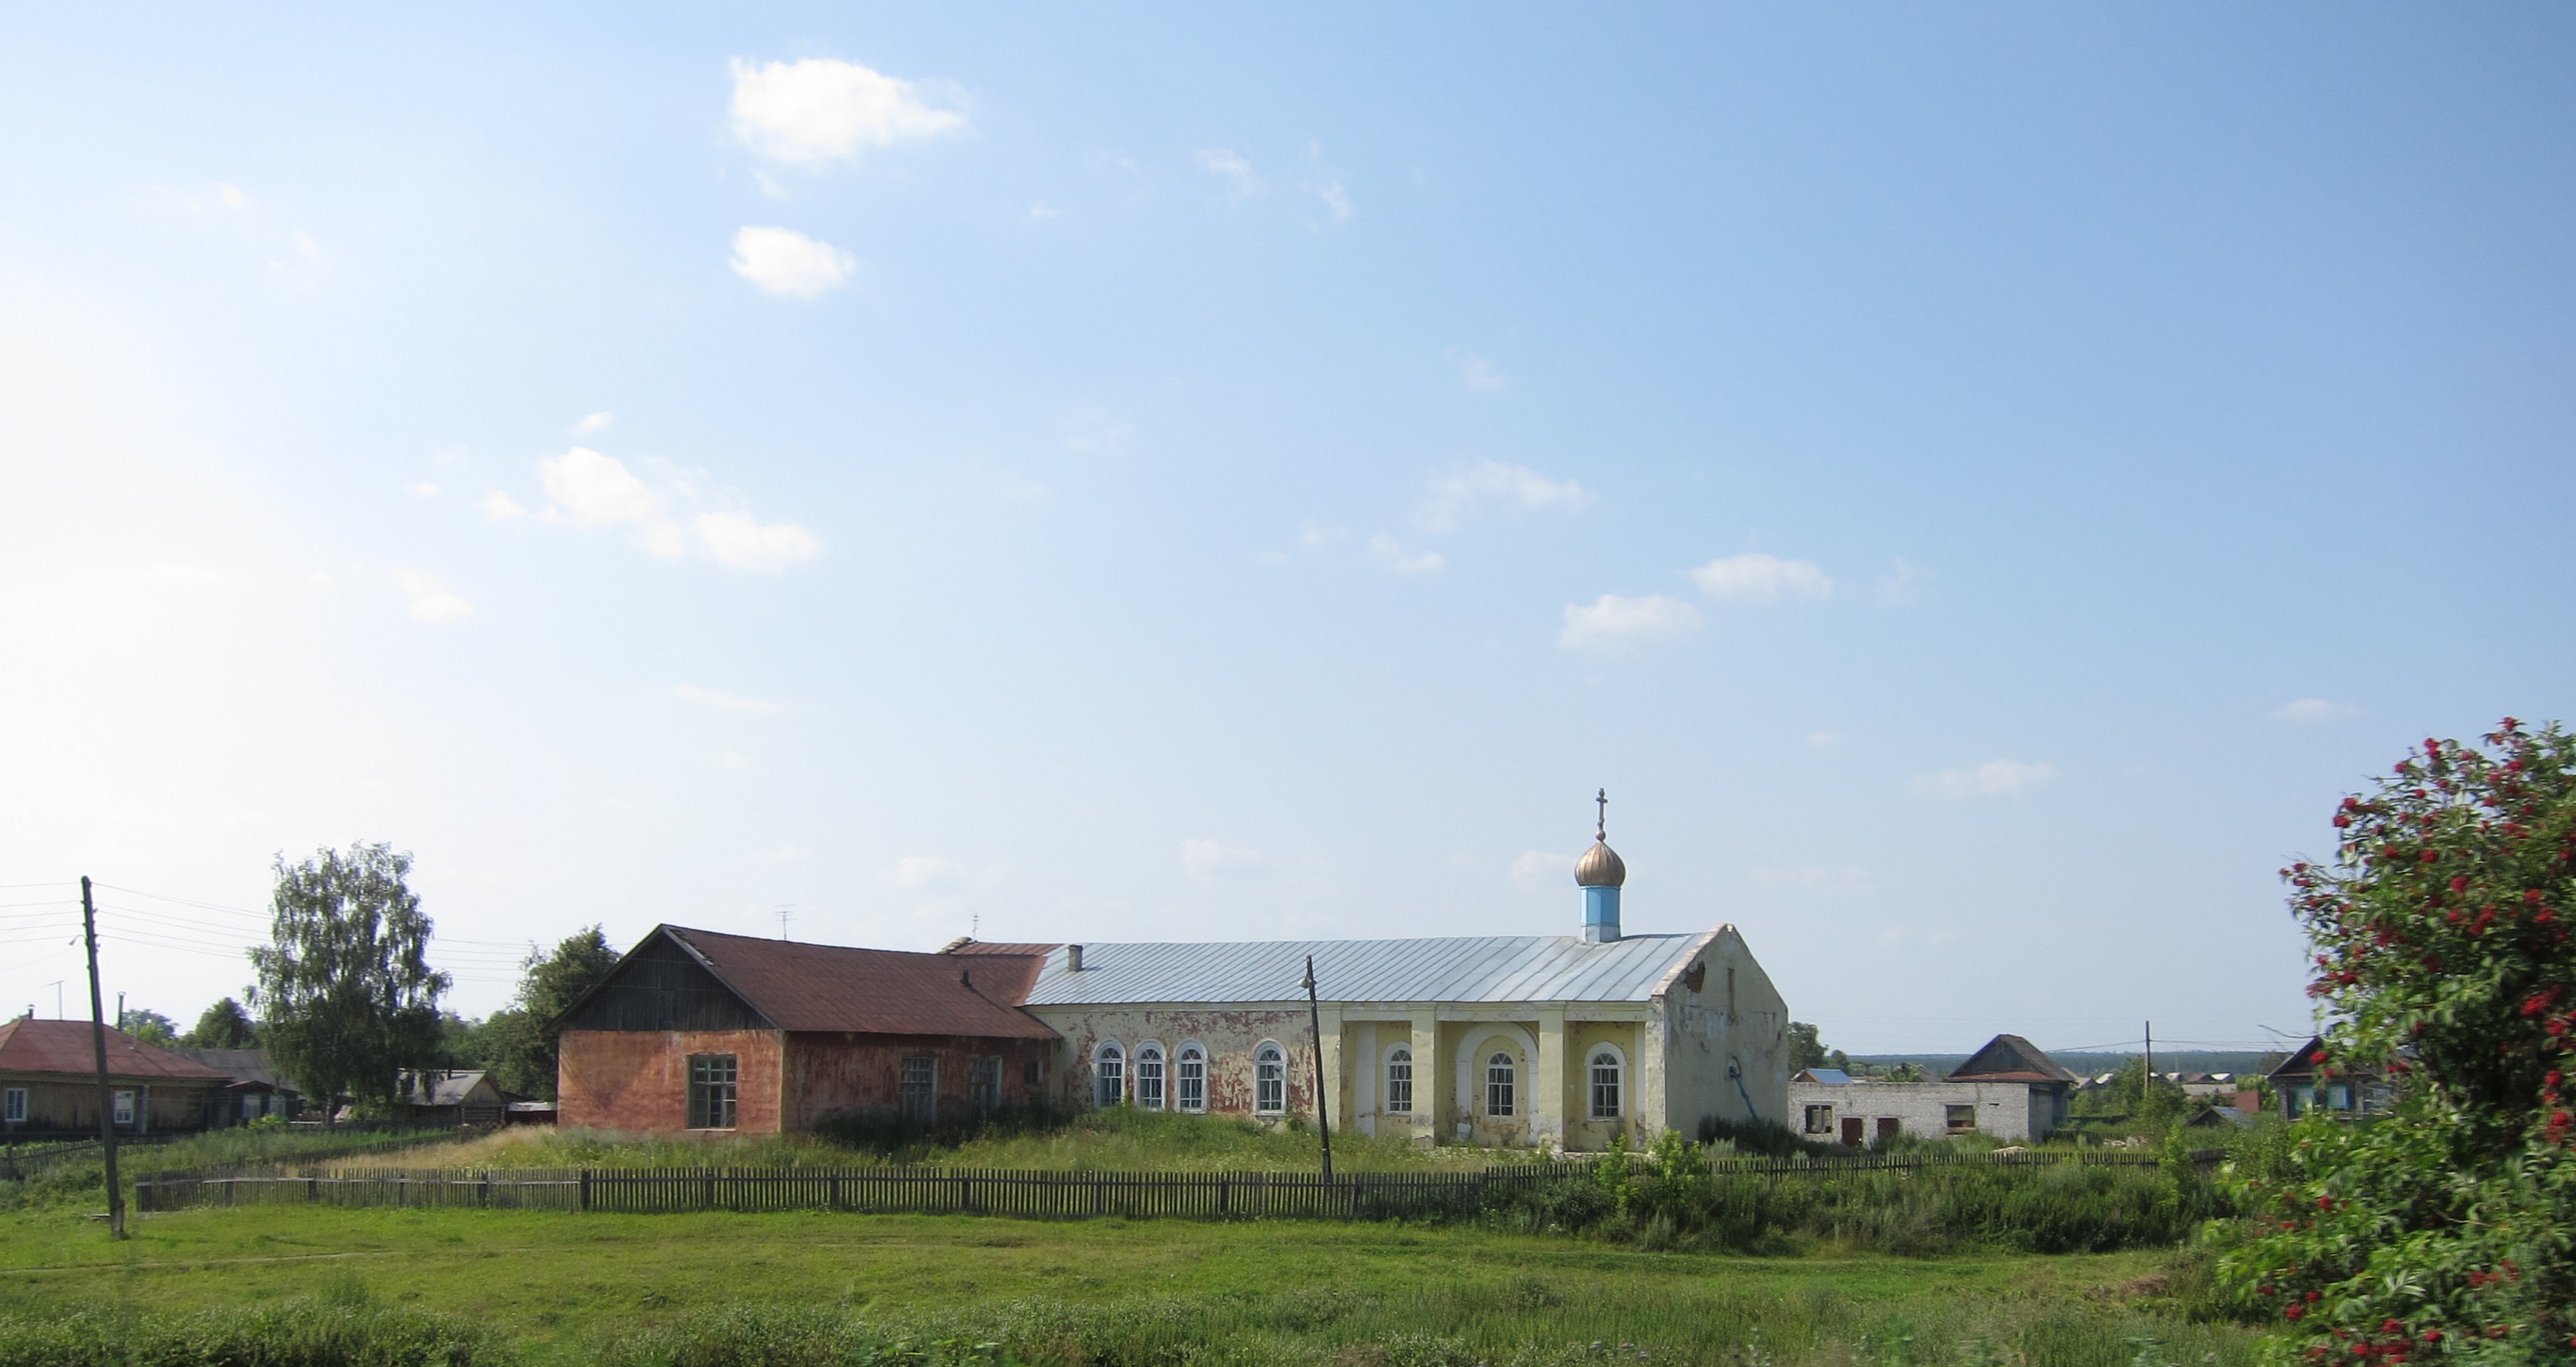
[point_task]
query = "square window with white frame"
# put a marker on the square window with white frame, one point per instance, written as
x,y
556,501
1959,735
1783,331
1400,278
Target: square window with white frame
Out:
x,y
124,1108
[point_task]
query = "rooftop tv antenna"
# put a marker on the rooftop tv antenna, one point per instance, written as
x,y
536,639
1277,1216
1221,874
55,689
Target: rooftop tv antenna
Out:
x,y
785,910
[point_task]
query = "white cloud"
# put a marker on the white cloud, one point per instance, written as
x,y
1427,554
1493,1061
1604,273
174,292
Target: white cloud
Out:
x,y
1824,740
421,490
1903,584
787,263
596,490
722,702
1836,879
1337,200
596,422
232,197
1612,621
1453,493
1211,859
1994,778
1092,430
736,539
1477,373
2308,711
500,507
1041,211
818,111
430,600
732,759
1315,538
1754,577
1539,870
1228,166
1385,551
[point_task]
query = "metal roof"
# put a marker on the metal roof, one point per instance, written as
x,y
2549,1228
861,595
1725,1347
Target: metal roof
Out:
x,y
28,1045
2010,1058
1485,968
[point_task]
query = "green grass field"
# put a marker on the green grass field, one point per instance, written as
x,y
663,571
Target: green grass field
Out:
x,y
568,1288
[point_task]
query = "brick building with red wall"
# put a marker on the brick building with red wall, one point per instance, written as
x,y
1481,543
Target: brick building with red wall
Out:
x,y
700,1031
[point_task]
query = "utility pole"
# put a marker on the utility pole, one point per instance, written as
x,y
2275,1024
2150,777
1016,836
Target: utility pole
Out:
x,y
785,909
2147,1079
98,1047
57,985
1315,1022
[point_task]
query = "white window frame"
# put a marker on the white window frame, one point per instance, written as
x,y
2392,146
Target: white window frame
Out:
x,y
1108,1074
712,1099
1189,1078
1153,1076
1269,1079
122,1102
1618,1081
13,1105
1399,1085
1502,1084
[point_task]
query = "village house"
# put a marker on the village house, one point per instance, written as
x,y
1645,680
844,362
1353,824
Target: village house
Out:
x,y
696,1030
467,1097
2009,1089
2305,1082
257,1089
49,1082
1570,1040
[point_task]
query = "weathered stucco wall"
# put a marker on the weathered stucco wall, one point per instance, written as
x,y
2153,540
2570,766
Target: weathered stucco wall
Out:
x,y
639,1079
2005,1110
1726,1034
1230,1035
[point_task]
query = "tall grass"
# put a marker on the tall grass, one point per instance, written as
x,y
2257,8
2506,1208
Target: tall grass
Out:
x,y
1118,1139
1528,1321
82,1177
322,1332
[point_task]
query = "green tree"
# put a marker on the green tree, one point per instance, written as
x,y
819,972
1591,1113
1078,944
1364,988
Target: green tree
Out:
x,y
519,1042
346,987
224,1025
2443,1231
151,1027
1806,1047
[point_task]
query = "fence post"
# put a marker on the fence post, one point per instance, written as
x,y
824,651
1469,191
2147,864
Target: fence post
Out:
x,y
585,1188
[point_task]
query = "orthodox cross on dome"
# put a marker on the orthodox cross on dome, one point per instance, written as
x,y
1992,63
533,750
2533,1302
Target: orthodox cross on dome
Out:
x,y
1601,824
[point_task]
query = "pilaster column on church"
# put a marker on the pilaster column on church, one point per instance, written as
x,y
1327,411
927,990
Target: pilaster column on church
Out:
x,y
1431,1082
1329,1063
1547,1117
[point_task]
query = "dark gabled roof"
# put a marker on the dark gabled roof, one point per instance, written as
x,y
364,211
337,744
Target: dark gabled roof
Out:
x,y
242,1065
438,1088
963,945
28,1045
837,988
2303,1061
2010,1058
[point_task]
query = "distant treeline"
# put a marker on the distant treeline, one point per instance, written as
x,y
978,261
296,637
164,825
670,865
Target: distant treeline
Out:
x,y
2094,1065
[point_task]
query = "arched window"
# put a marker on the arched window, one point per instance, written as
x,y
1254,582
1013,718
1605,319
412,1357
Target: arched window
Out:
x,y
1500,1074
1399,1079
1605,1084
1109,1074
1190,1078
1149,1076
1270,1079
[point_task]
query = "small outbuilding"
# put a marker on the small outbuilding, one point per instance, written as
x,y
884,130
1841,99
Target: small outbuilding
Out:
x,y
2010,1089
438,1097
257,1089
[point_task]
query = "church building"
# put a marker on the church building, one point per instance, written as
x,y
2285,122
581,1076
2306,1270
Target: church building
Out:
x,y
1495,1040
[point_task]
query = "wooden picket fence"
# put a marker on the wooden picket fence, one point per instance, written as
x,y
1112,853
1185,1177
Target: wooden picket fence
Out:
x,y
1018,1193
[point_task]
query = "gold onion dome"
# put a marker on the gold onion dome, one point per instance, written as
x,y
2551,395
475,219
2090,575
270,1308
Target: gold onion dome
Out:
x,y
1600,867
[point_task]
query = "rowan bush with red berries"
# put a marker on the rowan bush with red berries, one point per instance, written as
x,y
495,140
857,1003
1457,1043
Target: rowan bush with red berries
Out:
x,y
2445,1230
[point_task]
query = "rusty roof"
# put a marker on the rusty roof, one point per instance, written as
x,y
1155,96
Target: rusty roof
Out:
x,y
839,988
963,945
28,1045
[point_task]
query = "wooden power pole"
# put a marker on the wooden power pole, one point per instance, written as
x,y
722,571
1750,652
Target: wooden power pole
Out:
x,y
1315,1023
98,1048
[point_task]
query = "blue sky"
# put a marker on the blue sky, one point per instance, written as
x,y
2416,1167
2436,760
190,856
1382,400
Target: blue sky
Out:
x,y
1975,483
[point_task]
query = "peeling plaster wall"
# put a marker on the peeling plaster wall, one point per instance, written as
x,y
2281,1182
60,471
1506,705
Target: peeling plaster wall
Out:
x,y
1229,1034
1734,1016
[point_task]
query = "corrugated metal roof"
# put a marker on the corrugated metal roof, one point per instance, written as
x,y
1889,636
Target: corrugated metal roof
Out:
x,y
1486,968
28,1045
877,991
